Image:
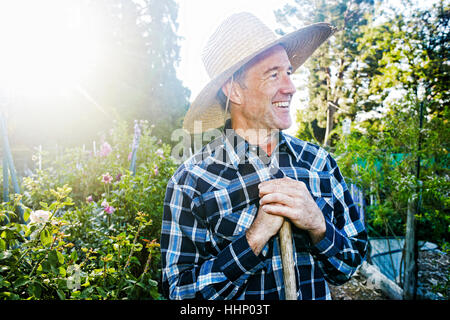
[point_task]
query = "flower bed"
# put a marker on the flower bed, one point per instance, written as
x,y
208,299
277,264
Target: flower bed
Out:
x,y
92,225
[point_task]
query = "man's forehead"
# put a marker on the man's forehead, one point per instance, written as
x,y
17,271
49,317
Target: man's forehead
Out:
x,y
263,59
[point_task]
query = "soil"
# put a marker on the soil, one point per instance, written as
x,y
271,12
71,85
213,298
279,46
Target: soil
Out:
x,y
433,281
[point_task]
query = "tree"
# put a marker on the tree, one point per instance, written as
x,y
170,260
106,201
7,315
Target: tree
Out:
x,y
404,63
332,80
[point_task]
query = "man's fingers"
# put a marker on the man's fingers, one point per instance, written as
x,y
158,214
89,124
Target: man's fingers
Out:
x,y
277,197
278,209
284,185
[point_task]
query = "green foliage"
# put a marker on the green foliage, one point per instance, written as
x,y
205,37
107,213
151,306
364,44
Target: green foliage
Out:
x,y
92,225
383,162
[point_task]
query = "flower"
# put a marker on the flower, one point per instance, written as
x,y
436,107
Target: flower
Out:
x,y
160,153
129,155
155,170
105,149
89,199
107,178
39,216
105,203
109,209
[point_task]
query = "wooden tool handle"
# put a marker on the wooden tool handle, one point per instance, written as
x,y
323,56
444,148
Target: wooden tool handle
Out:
x,y
287,259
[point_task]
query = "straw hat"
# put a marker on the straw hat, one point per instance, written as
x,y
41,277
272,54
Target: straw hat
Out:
x,y
235,42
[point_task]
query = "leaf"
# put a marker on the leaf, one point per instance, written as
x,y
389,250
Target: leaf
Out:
x,y
46,237
44,205
74,256
5,254
60,257
61,294
62,271
53,258
21,282
36,289
9,295
26,215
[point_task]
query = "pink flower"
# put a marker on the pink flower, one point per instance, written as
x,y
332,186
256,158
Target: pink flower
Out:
x,y
109,209
155,170
105,149
129,156
105,204
89,199
107,178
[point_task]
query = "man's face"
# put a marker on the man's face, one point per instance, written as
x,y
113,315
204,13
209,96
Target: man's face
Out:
x,y
267,93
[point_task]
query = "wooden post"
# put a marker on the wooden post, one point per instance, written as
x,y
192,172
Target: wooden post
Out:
x,y
287,259
409,286
9,161
5,179
331,109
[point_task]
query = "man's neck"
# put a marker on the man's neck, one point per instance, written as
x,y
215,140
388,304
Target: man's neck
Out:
x,y
266,139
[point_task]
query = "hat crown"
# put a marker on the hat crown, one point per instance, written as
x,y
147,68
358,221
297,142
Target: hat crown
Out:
x,y
238,37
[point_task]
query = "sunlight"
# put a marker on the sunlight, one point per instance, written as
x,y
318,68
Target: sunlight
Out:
x,y
45,47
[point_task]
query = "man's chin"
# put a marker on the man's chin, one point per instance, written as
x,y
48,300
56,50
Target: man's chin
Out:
x,y
283,125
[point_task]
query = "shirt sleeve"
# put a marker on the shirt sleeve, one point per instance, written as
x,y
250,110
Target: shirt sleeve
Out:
x,y
344,246
191,269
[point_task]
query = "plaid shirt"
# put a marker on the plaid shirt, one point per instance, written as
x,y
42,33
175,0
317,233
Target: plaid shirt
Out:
x,y
212,200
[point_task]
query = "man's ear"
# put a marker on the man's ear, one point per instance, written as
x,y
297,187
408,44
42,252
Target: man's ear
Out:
x,y
232,90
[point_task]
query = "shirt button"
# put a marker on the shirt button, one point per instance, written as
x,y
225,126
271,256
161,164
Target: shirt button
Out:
x,y
240,229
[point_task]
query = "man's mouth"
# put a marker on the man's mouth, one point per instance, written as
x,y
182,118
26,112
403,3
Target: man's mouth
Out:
x,y
281,104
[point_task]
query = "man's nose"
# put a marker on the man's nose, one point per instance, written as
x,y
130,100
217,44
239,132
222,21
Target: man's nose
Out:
x,y
288,86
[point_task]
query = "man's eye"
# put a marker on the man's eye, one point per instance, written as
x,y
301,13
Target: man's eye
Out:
x,y
274,75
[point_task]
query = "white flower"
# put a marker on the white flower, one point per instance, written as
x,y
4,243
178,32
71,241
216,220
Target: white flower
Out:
x,y
160,153
39,216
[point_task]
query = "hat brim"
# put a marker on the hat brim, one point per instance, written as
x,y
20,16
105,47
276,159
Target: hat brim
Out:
x,y
206,112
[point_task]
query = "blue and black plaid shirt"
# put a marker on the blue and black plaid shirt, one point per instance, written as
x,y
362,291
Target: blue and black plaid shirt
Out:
x,y
213,198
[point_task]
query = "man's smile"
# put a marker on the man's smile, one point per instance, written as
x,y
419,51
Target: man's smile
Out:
x,y
281,104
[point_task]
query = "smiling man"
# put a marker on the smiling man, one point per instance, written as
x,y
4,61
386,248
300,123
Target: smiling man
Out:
x,y
226,204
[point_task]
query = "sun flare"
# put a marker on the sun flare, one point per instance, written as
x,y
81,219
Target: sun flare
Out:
x,y
46,46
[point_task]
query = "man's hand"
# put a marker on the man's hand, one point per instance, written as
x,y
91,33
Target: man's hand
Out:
x,y
262,229
291,199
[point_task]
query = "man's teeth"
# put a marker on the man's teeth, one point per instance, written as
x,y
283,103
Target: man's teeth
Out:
x,y
284,104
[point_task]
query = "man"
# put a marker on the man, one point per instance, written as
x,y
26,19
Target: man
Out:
x,y
225,205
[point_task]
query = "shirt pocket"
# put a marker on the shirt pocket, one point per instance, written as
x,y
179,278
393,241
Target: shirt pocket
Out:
x,y
228,213
319,186
231,224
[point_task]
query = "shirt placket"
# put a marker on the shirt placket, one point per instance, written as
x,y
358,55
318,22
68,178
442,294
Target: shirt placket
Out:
x,y
267,169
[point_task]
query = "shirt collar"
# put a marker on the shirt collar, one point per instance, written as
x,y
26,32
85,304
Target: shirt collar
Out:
x,y
237,147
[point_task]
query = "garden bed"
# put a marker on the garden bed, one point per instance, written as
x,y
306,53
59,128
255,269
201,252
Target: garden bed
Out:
x,y
433,281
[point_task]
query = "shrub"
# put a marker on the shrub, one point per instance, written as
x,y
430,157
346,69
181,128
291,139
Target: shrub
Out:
x,y
92,225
